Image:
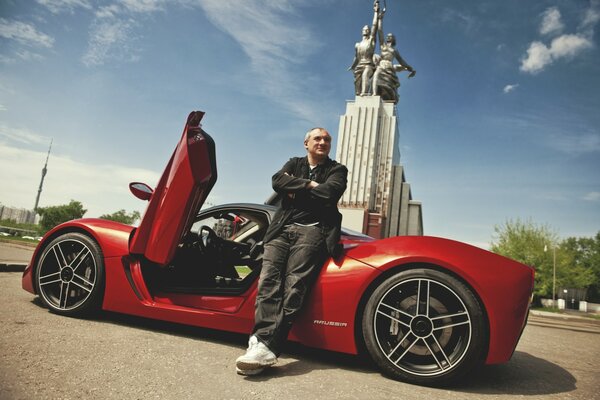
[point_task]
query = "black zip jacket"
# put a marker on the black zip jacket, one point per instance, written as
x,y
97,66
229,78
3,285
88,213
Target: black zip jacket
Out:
x,y
320,201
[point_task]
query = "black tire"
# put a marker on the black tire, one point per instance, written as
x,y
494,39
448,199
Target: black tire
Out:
x,y
69,275
434,341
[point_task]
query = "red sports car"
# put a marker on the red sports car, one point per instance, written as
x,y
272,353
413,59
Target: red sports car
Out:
x,y
426,309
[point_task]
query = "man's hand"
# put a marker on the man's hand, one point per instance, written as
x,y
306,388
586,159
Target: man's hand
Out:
x,y
309,185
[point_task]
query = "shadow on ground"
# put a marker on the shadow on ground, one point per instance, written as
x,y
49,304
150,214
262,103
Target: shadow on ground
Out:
x,y
524,375
312,359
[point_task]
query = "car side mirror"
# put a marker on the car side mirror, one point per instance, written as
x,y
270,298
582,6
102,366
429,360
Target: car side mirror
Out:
x,y
141,190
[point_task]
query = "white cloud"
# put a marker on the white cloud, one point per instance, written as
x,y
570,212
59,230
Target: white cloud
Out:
x,y
569,46
2,107
28,55
592,15
260,30
144,6
575,143
110,39
592,196
23,136
273,46
113,31
101,188
110,11
58,6
6,60
565,46
538,56
463,20
551,22
510,88
24,33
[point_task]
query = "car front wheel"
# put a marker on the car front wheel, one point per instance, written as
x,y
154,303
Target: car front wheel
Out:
x,y
69,276
424,326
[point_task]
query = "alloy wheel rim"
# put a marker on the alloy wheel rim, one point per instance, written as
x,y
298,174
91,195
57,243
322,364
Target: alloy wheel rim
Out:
x,y
67,275
422,327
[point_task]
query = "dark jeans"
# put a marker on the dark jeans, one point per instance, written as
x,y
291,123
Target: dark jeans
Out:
x,y
291,263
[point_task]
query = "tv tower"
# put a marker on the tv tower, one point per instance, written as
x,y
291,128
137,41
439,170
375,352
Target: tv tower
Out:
x,y
44,171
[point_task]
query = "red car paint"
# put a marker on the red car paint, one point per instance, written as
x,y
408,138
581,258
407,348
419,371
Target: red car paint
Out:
x,y
332,315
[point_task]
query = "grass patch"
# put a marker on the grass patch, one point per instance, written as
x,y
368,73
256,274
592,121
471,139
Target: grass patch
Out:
x,y
548,309
19,240
243,271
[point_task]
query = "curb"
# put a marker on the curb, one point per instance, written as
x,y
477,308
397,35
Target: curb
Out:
x,y
563,316
12,267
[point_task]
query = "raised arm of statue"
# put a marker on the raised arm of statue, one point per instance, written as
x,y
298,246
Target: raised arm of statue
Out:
x,y
376,16
379,27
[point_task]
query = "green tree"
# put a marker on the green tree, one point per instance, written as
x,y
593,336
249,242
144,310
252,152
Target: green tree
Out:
x,y
122,216
576,261
583,270
54,215
531,244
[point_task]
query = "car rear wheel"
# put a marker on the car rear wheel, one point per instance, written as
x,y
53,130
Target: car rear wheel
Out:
x,y
424,326
69,276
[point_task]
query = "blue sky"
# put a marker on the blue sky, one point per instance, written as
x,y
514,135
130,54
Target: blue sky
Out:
x,y
502,120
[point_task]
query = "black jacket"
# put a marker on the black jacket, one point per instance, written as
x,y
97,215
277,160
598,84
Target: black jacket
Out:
x,y
332,179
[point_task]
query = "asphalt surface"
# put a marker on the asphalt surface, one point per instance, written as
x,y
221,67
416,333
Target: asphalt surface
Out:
x,y
112,356
46,356
14,256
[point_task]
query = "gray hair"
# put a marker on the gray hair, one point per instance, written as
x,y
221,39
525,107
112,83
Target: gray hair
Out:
x,y
307,136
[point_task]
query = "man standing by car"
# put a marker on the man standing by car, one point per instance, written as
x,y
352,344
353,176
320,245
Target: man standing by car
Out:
x,y
304,231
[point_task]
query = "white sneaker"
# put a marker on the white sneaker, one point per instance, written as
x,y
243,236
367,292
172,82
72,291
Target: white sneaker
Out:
x,y
257,358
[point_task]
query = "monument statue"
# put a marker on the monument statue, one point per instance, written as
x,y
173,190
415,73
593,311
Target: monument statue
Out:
x,y
363,64
384,81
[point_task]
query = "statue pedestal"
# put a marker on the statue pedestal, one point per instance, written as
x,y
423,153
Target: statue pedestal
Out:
x,y
377,200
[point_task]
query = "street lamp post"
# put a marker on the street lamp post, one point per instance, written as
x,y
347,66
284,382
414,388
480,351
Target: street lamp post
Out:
x,y
553,273
554,276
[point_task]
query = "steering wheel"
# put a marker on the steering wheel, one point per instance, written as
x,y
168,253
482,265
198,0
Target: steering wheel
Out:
x,y
208,238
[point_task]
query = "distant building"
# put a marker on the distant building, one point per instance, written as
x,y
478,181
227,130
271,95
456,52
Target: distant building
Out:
x,y
19,215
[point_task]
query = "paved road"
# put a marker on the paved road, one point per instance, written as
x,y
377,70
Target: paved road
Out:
x,y
45,356
15,253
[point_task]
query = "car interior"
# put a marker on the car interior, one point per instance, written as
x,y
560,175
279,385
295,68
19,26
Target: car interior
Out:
x,y
221,254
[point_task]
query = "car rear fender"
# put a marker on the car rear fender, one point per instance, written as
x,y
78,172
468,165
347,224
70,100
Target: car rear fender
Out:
x,y
503,286
392,270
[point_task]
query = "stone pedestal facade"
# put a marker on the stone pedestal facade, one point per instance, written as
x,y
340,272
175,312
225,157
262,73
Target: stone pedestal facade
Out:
x,y
377,200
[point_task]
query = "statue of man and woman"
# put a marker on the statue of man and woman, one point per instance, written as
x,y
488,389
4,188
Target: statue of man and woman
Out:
x,y
375,74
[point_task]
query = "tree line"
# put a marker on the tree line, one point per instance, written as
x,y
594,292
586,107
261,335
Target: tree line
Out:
x,y
575,260
55,215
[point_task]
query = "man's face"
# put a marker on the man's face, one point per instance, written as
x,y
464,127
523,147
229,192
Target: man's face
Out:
x,y
318,144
